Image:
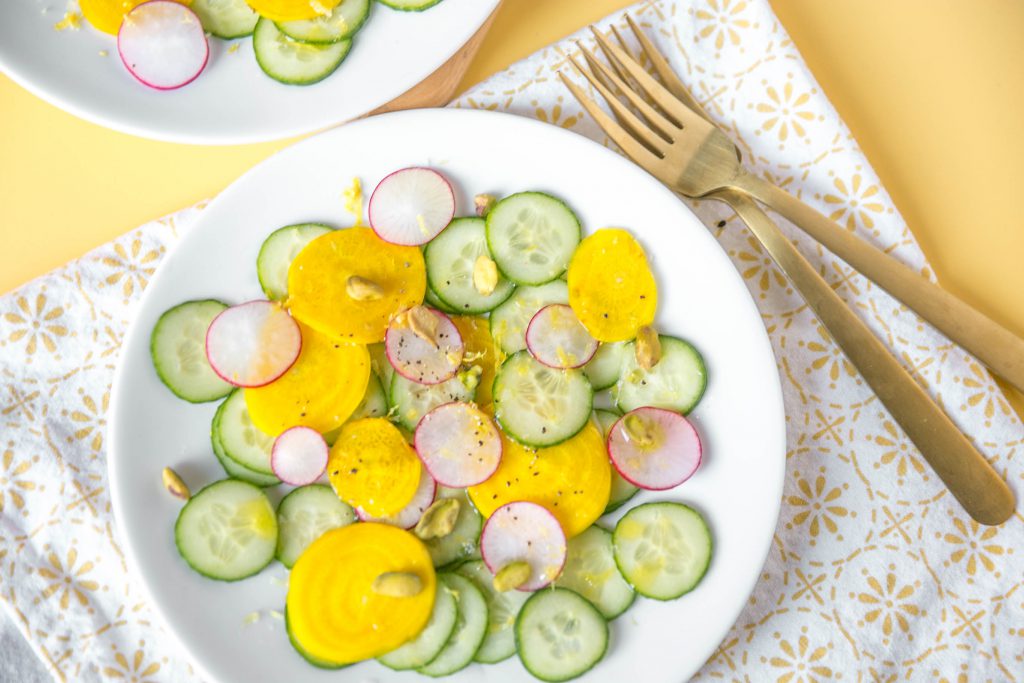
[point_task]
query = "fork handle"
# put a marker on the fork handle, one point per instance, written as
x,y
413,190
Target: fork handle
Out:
x,y
966,473
988,341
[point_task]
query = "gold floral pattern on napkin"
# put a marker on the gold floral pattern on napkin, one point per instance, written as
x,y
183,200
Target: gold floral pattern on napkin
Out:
x,y
875,574
63,577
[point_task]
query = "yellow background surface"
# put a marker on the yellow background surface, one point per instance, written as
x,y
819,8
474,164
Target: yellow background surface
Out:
x,y
931,89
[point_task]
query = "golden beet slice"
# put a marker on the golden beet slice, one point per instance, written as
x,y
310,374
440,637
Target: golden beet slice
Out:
x,y
107,15
348,283
611,287
335,614
373,467
572,480
292,10
321,390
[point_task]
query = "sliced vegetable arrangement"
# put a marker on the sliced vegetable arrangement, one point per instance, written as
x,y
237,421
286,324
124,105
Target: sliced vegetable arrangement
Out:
x,y
163,43
448,468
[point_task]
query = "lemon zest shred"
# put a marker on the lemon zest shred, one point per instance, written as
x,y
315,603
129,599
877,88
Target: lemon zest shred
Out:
x,y
71,21
353,196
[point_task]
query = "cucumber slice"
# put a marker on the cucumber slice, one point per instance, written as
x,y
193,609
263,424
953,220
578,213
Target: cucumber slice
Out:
x,y
227,531
509,321
374,403
621,493
242,441
305,515
622,490
532,237
315,661
232,468
178,348
292,62
605,419
560,635
540,406
470,628
411,401
409,5
604,368
227,19
343,22
590,570
502,610
676,383
425,647
278,252
463,543
380,364
431,298
662,549
450,259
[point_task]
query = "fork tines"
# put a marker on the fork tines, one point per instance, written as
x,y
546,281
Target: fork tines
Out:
x,y
658,109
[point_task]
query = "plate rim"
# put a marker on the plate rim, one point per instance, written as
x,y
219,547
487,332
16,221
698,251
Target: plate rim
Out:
x,y
140,129
134,330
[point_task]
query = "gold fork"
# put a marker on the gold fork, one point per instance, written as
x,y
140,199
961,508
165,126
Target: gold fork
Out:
x,y
699,159
676,143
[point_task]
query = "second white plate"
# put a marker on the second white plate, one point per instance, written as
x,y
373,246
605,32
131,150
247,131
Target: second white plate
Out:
x,y
232,101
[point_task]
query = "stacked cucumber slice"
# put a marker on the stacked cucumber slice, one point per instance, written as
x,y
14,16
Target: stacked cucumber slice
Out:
x,y
295,62
552,379
341,24
304,515
227,19
434,637
451,257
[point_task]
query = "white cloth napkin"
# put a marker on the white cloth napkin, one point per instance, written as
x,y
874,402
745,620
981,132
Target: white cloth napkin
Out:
x,y
875,572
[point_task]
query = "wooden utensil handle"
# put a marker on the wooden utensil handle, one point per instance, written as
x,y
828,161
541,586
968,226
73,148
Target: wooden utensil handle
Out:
x,y
438,89
983,494
987,340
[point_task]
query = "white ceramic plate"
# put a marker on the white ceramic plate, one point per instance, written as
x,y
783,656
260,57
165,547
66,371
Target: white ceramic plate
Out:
x,y
232,101
701,298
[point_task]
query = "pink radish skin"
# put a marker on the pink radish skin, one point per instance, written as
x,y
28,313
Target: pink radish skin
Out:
x,y
671,459
407,517
417,359
299,456
252,344
557,339
459,444
163,45
524,532
411,206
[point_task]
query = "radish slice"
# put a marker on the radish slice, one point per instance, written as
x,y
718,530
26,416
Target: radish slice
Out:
x,y
557,338
299,456
524,532
252,344
417,359
407,517
654,448
162,44
411,206
459,444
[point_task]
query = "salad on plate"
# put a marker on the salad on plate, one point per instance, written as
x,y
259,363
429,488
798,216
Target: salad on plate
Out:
x,y
164,43
445,407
